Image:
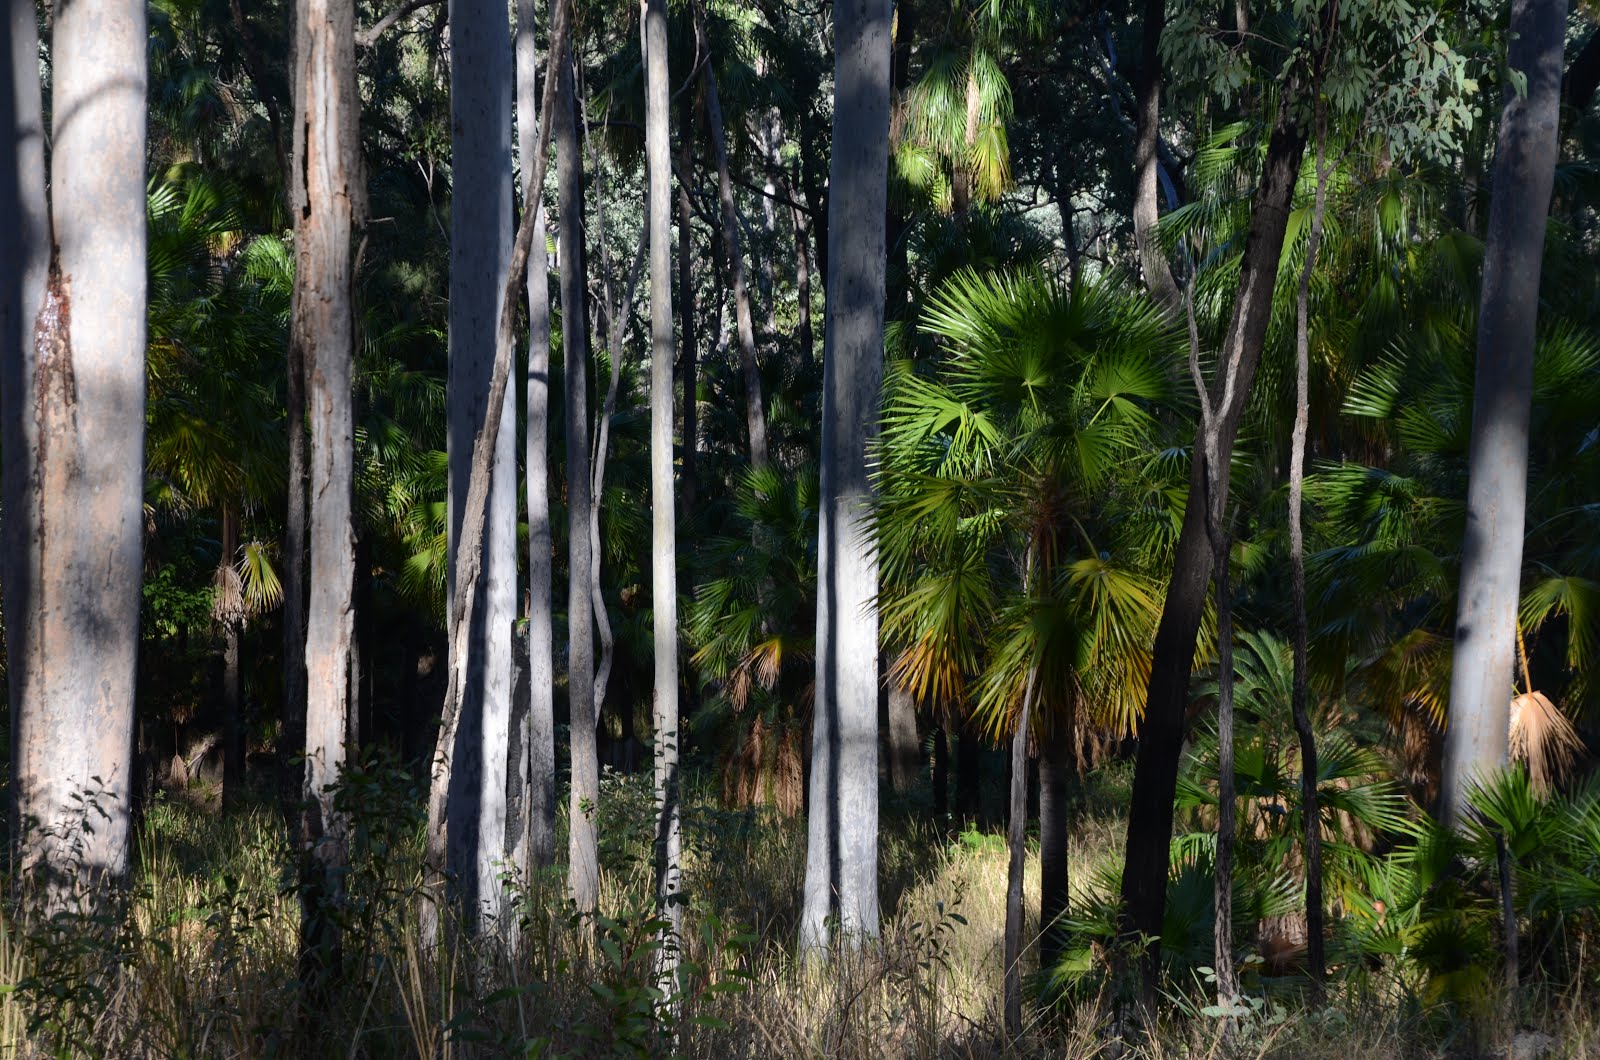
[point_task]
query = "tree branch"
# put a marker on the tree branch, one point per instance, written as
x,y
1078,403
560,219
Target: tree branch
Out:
x,y
366,38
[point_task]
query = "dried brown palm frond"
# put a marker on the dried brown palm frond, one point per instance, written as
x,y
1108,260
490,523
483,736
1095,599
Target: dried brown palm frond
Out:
x,y
1542,737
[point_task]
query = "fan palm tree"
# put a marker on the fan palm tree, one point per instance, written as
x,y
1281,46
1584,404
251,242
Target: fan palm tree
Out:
x,y
1008,586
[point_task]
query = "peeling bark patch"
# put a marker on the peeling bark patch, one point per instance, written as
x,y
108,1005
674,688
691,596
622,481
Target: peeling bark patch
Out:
x,y
55,388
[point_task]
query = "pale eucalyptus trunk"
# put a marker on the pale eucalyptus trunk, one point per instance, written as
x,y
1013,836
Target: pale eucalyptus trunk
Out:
x,y
755,402
842,825
539,763
328,201
663,523
686,307
1497,461
72,294
583,853
470,557
480,251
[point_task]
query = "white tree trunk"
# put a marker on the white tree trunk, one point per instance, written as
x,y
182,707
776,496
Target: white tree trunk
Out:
x,y
327,199
539,765
842,830
480,252
583,853
664,529
73,398
1497,468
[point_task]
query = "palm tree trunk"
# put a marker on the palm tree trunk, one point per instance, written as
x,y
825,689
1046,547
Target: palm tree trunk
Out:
x,y
1144,877
842,831
539,764
583,856
1316,963
904,747
1055,768
480,250
969,763
1016,843
72,388
663,525
755,404
1497,462
328,201
941,776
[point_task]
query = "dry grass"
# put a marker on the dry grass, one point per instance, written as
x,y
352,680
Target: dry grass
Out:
x,y
204,964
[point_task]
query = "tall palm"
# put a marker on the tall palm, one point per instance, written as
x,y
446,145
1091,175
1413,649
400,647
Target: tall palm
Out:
x,y
1009,582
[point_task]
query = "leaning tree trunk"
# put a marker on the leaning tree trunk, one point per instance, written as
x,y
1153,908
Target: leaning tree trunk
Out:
x,y
842,829
539,764
1147,138
328,200
1497,462
664,531
755,404
1144,876
480,251
1310,811
583,855
470,556
72,294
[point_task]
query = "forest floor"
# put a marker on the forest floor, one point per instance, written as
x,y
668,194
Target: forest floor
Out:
x,y
206,963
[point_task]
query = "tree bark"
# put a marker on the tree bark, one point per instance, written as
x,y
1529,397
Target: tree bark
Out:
x,y
842,829
904,747
664,531
1055,768
470,555
539,764
969,769
686,307
802,283
232,723
1017,847
1147,137
1145,867
327,203
941,776
1316,962
292,779
1497,461
583,855
480,251
755,403
72,294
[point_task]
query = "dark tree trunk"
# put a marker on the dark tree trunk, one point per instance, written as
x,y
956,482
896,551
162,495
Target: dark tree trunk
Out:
x,y
969,760
232,723
293,745
1055,775
941,776
1144,877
